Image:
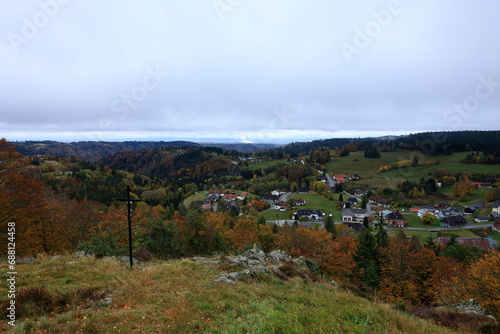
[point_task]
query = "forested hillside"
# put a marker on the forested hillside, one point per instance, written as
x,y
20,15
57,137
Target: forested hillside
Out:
x,y
431,143
94,151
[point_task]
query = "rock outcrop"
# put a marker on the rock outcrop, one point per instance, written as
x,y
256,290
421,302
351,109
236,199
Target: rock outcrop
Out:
x,y
276,264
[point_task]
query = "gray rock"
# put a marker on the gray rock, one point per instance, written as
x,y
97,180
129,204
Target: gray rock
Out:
x,y
255,254
107,301
256,263
278,257
126,259
234,277
28,260
301,262
470,305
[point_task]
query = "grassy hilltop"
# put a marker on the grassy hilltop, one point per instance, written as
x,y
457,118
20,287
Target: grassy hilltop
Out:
x,y
180,296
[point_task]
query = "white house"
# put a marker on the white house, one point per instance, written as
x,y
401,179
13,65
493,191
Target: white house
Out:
x,y
277,192
495,208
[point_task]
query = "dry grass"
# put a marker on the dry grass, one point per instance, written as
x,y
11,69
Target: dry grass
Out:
x,y
181,297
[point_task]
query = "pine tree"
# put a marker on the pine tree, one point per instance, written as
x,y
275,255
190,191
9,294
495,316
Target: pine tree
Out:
x,y
381,236
430,244
367,258
330,226
366,223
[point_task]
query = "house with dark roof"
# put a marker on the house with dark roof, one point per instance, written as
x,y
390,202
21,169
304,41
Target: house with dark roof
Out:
x,y
352,214
495,216
358,191
309,214
453,221
481,219
352,200
304,190
495,207
470,209
478,204
271,199
449,212
354,226
322,178
379,200
396,219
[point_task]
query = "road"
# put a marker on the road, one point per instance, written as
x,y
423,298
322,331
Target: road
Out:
x,y
330,181
285,196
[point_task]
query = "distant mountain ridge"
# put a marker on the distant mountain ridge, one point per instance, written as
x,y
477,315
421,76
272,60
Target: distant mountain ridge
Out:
x,y
432,143
95,151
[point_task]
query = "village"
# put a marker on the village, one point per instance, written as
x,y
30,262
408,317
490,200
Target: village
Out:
x,y
354,211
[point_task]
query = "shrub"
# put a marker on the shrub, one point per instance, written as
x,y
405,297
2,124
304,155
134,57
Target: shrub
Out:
x,y
35,301
460,321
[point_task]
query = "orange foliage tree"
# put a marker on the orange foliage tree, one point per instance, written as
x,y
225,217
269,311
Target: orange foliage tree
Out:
x,y
21,198
333,256
483,282
406,271
448,280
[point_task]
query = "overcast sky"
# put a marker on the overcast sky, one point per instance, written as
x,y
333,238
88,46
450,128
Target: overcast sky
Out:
x,y
246,70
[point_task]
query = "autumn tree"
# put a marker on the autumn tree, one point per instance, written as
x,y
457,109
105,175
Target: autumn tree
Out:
x,y
483,282
428,219
463,188
21,197
406,271
492,195
448,281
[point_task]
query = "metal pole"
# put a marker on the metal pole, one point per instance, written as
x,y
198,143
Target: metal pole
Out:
x,y
129,218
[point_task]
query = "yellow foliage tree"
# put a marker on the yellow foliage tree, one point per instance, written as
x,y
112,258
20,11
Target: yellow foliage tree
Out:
x,y
483,282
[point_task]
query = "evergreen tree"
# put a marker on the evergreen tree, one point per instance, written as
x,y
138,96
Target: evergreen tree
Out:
x,y
381,236
367,258
262,220
330,226
430,244
364,201
366,223
275,228
341,198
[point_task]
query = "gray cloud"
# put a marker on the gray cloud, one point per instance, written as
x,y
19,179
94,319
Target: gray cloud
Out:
x,y
65,64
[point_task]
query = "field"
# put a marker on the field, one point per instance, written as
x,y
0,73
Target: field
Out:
x,y
198,196
368,169
313,201
180,296
266,163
